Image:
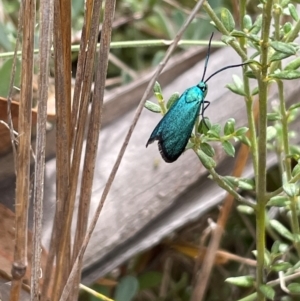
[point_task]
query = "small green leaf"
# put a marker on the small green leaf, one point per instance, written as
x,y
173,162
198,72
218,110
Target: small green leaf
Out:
x,y
294,288
245,140
271,133
214,131
267,257
273,116
247,22
5,71
227,39
244,281
227,19
286,74
231,181
293,65
207,161
233,88
126,289
284,3
281,266
204,126
267,291
275,247
296,170
153,107
174,97
157,88
207,149
254,55
238,34
158,96
287,27
283,47
278,56
241,131
246,184
245,209
254,38
278,201
216,128
238,82
282,230
293,12
291,189
257,25
255,91
229,127
237,87
250,74
295,150
294,106
228,148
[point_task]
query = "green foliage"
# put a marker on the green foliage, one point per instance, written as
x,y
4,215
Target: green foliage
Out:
x,y
5,72
126,289
274,61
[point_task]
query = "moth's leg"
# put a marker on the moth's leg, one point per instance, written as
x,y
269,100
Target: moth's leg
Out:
x,y
204,106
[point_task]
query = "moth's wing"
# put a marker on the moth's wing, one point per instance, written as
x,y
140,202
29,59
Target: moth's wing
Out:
x,y
174,130
175,136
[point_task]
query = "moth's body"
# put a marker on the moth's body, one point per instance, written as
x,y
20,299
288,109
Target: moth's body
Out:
x,y
174,130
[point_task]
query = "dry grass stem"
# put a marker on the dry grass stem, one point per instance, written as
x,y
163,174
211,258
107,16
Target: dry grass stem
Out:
x,y
62,43
170,50
46,23
23,164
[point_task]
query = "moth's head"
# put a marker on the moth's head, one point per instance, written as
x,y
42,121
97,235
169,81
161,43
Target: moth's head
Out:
x,y
203,87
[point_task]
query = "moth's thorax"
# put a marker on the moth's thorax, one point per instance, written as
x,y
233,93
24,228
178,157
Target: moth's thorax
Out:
x,y
196,93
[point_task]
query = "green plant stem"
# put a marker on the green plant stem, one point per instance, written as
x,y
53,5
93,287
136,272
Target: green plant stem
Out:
x,y
286,161
295,223
218,179
135,44
248,97
260,178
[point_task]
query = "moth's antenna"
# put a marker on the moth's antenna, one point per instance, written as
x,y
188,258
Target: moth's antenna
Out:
x,y
207,57
222,69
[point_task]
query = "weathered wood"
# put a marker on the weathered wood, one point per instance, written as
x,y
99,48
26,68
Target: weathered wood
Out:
x,y
117,102
149,197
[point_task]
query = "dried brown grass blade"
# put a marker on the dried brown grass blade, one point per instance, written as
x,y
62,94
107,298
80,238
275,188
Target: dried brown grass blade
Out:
x,y
46,24
23,165
62,59
76,266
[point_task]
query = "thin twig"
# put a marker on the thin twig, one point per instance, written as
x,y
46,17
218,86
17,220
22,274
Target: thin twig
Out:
x,y
19,265
46,19
122,151
94,123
